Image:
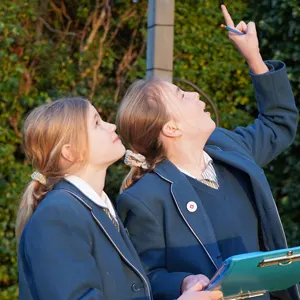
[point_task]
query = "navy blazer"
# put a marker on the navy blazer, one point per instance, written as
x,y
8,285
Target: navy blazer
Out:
x,y
71,250
173,242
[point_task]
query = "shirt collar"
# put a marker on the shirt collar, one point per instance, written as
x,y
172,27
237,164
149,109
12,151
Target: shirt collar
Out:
x,y
207,160
88,191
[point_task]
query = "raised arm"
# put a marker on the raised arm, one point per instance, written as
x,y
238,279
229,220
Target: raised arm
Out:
x,y
276,125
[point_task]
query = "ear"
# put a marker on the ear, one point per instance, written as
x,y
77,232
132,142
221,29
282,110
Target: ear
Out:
x,y
170,129
67,153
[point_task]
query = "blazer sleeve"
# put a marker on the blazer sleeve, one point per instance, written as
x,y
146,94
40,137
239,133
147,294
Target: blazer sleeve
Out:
x,y
57,246
276,125
147,235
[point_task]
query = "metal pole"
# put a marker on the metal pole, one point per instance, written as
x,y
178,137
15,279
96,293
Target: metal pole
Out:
x,y
160,39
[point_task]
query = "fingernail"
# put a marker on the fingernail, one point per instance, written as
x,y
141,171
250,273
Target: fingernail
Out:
x,y
219,294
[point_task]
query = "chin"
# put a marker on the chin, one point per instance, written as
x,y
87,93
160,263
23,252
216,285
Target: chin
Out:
x,y
117,155
210,129
121,152
213,125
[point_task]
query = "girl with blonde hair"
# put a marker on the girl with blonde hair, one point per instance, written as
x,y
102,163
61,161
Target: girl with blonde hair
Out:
x,y
197,194
72,244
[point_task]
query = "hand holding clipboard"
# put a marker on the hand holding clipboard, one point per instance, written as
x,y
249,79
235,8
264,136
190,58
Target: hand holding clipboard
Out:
x,y
253,274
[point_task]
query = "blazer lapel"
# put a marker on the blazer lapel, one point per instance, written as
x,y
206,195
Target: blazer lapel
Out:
x,y
235,159
262,194
129,245
198,221
105,224
256,174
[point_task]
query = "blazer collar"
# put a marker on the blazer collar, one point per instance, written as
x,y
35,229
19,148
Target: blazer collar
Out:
x,y
256,175
262,194
169,171
234,159
183,193
198,221
119,240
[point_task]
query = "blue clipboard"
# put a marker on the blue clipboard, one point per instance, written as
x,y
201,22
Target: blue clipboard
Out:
x,y
253,274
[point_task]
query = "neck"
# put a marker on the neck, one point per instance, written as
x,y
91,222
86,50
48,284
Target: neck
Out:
x,y
188,156
95,177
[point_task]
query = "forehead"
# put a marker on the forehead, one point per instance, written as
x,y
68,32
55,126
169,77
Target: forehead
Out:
x,y
93,114
171,87
92,111
171,99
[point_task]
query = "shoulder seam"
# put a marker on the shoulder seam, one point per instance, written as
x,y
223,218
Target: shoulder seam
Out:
x,y
236,140
147,207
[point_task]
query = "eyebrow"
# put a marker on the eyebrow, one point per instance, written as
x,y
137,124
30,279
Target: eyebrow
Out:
x,y
96,116
178,90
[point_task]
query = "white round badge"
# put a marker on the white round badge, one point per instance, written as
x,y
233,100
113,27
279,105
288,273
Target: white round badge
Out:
x,y
191,206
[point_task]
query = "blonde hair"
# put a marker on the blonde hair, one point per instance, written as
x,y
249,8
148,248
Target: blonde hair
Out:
x,y
46,130
140,119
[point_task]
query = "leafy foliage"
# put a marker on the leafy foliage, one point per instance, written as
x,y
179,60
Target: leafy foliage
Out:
x,y
49,50
279,29
96,48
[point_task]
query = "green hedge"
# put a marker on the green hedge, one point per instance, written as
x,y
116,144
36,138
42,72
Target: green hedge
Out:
x,y
56,49
279,29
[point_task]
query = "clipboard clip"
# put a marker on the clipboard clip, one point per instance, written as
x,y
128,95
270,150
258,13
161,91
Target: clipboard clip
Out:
x,y
280,261
246,295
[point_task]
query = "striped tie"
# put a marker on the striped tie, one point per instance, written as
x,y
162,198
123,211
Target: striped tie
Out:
x,y
209,177
114,221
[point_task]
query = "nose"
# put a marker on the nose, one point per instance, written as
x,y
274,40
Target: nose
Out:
x,y
111,127
197,96
203,104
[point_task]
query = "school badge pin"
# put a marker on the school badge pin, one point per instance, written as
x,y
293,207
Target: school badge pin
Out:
x,y
191,206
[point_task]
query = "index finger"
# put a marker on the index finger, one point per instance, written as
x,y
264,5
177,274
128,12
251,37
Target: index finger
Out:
x,y
227,16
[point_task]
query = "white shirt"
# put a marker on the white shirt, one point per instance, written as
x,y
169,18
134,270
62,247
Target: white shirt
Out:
x,y
88,191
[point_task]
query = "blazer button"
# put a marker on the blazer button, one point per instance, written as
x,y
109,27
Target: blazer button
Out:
x,y
136,288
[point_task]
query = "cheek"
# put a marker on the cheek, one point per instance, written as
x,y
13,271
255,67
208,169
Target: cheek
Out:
x,y
99,142
194,110
106,143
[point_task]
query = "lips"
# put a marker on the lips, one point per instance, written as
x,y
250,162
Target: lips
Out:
x,y
115,139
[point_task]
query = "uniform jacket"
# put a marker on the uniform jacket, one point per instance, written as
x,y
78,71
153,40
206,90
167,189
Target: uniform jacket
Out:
x,y
71,250
173,242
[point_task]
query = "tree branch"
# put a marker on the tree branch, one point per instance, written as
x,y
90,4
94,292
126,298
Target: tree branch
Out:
x,y
42,12
95,29
128,14
55,30
126,62
101,50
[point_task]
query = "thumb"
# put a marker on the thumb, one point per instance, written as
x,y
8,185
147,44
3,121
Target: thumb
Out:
x,y
251,28
198,286
216,295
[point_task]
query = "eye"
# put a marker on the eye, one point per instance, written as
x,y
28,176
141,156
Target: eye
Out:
x,y
97,123
182,95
